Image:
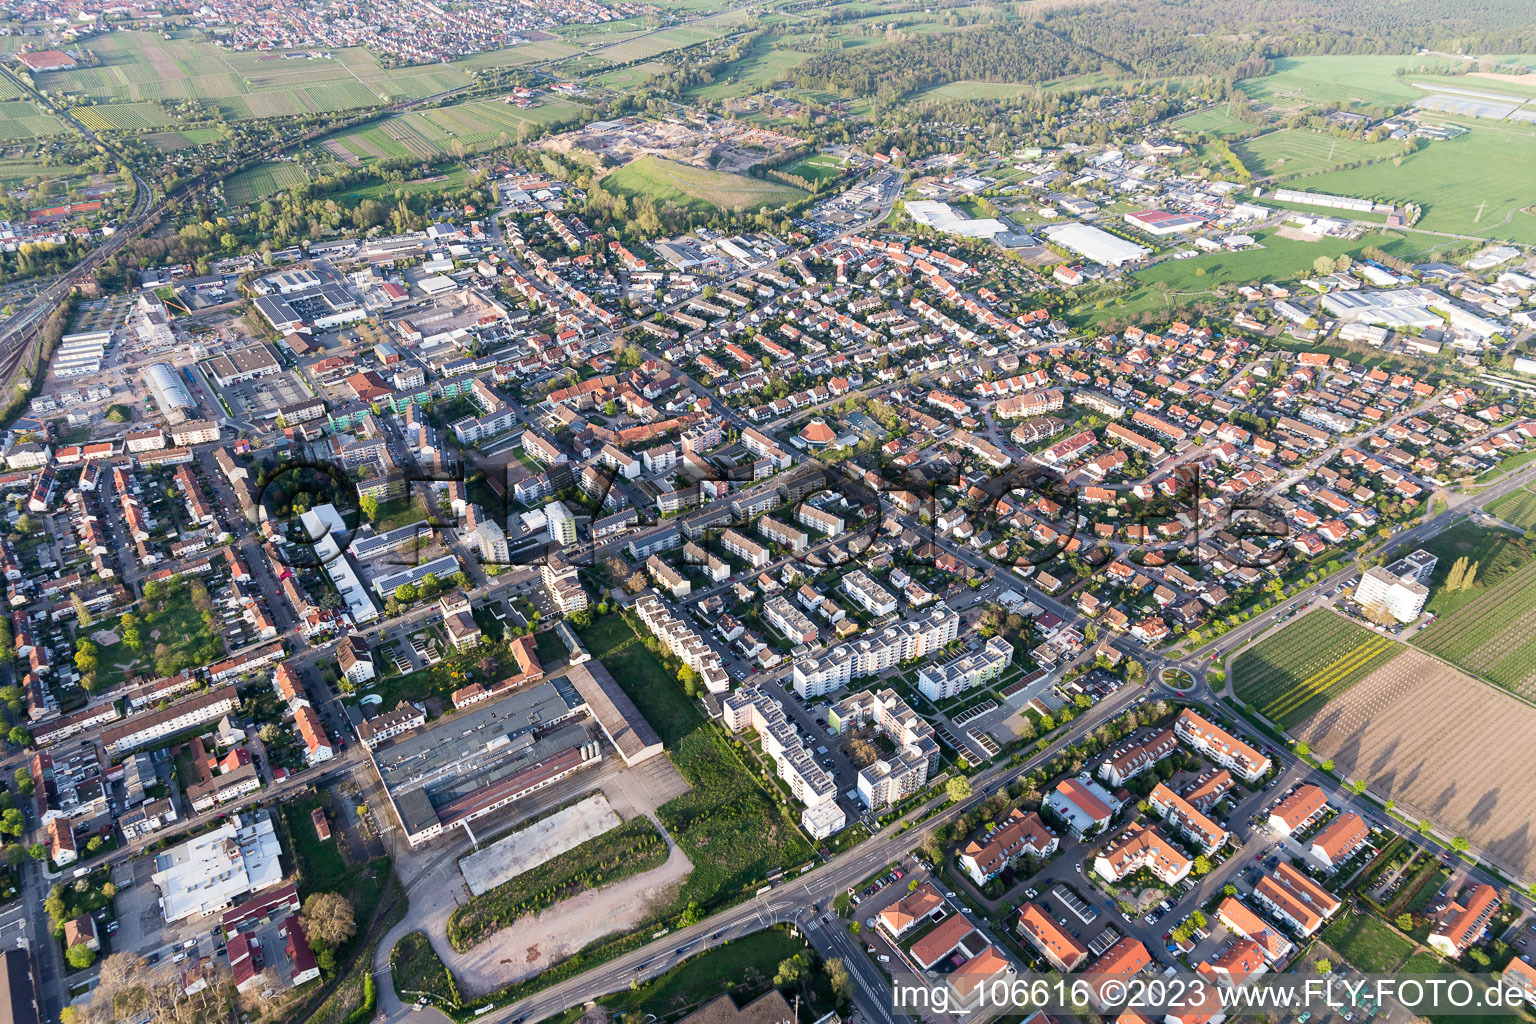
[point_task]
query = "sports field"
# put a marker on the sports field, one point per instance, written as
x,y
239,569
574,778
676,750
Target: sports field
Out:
x,y
140,66
1479,184
817,167
696,189
1303,151
1293,673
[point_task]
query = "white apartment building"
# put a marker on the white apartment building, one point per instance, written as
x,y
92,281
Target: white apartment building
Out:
x,y
874,598
1400,588
141,730
966,672
679,638
789,620
889,780
752,708
562,525
745,548
893,645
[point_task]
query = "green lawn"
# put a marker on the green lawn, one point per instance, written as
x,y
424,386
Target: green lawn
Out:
x,y
1367,943
697,189
758,68
168,620
416,970
817,167
319,861
1478,184
1303,151
744,969
730,827
1176,281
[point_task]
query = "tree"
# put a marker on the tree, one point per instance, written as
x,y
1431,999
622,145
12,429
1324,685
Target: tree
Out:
x,y
1202,864
958,788
1326,764
791,973
1323,965
1405,922
80,957
842,982
1460,844
82,613
13,822
369,506
328,919
23,781
1303,749
1457,574
1471,577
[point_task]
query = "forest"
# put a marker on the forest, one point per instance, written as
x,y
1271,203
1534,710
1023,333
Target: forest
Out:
x,y
1166,38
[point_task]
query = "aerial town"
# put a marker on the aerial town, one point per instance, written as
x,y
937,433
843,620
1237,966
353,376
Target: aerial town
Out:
x,y
650,513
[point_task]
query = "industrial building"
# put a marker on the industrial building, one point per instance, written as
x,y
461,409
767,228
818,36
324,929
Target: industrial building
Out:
x,y
169,390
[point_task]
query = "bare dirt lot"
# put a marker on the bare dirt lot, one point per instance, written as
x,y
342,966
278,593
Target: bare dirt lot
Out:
x,y
1444,746
531,846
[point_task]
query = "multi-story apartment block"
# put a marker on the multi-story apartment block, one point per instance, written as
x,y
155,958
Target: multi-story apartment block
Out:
x,y
867,656
403,719
745,548
789,620
679,638
564,586
140,730
1463,922
874,598
1018,835
1295,899
819,519
1130,760
753,708
1221,746
1183,817
967,671
889,780
1142,847
791,537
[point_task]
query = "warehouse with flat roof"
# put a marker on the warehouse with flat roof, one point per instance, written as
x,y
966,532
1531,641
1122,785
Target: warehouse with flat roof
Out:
x,y
1095,244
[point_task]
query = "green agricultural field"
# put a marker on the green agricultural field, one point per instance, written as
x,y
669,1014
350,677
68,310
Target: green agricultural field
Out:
x,y
1517,508
1497,554
1493,635
1478,184
1215,121
1302,151
516,56
257,183
975,91
121,117
1289,676
20,169
23,120
1338,81
760,67
143,66
651,44
431,133
696,188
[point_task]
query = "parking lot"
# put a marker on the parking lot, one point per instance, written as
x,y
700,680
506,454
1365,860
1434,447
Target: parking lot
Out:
x,y
261,397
